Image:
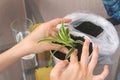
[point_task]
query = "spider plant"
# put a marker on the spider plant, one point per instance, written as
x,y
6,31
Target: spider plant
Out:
x,y
63,37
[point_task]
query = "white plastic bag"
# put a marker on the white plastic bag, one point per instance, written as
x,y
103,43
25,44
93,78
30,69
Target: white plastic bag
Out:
x,y
107,41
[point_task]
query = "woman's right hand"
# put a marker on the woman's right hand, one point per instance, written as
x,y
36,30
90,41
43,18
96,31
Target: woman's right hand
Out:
x,y
82,70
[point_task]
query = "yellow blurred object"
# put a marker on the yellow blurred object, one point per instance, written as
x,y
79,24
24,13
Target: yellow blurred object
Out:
x,y
43,73
34,27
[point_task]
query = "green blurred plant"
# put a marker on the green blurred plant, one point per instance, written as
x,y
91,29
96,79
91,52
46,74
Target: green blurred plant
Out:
x,y
63,37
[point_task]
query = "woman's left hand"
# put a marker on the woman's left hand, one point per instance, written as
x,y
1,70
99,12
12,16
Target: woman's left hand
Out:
x,y
44,30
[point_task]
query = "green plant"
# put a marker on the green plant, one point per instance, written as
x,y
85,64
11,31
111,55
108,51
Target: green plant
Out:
x,y
63,37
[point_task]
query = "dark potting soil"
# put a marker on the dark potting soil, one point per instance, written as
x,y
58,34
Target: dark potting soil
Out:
x,y
78,46
89,28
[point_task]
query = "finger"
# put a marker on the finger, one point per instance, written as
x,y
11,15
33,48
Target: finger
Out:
x,y
74,58
57,47
57,70
57,21
94,59
47,46
53,34
85,53
64,50
55,29
104,74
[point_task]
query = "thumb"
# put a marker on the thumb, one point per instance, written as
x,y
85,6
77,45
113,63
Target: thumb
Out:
x,y
57,70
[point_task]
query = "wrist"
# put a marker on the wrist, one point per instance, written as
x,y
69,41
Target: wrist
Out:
x,y
19,50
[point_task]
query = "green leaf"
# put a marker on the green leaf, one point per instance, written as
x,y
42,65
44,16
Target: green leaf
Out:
x,y
64,38
79,41
62,32
47,39
64,43
61,35
66,34
69,53
63,26
50,62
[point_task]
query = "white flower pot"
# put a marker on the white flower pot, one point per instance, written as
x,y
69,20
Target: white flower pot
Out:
x,y
77,34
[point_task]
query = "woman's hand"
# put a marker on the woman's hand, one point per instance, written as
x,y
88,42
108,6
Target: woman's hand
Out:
x,y
82,70
47,29
30,43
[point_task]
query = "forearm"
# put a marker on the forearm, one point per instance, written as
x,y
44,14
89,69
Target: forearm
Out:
x,y
10,56
30,43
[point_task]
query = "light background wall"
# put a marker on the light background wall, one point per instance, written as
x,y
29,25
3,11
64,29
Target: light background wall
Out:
x,y
59,8
9,10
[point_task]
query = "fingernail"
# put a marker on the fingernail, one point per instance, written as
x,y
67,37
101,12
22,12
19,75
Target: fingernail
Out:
x,y
96,46
76,51
87,40
66,61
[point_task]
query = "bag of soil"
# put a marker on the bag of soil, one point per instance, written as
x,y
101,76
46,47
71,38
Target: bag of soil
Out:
x,y
101,32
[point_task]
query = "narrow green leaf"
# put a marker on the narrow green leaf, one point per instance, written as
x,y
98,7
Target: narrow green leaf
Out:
x,y
79,41
62,32
69,53
61,35
58,37
47,39
64,43
50,62
63,38
54,52
63,26
67,34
